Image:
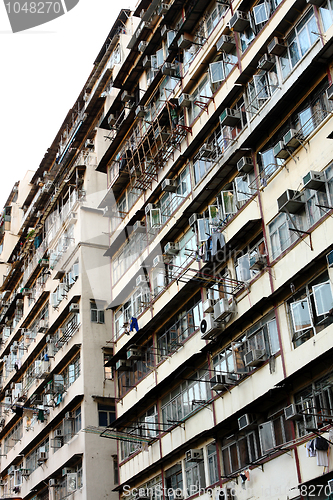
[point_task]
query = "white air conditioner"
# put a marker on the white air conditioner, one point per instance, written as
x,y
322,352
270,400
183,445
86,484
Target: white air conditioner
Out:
x,y
74,308
158,261
133,353
239,21
290,201
194,455
148,208
126,96
254,357
169,69
292,138
89,143
69,415
140,111
290,413
147,62
139,227
280,151
266,62
276,47
192,220
42,456
171,248
257,262
314,180
206,150
245,165
210,328
67,470
142,46
169,185
230,117
43,326
225,44
142,279
245,421
122,365
185,41
185,100
58,433
163,9
222,309
208,306
53,482
219,381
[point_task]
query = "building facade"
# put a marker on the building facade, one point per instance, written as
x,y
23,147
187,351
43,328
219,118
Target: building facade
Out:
x,y
218,158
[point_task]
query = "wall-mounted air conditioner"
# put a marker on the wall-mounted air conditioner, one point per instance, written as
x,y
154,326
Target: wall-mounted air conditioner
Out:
x,y
291,413
134,353
36,399
257,262
208,306
25,472
254,357
67,470
75,308
140,111
158,261
210,328
314,180
266,62
142,279
292,138
69,415
163,9
206,150
58,433
142,46
222,309
185,100
53,482
230,117
122,365
245,165
280,151
139,227
194,455
245,421
171,248
225,44
147,62
126,96
169,69
290,201
219,381
43,326
276,47
169,185
42,456
239,21
185,41
193,219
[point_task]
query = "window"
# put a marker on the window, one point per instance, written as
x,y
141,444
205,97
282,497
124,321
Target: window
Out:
x,y
274,433
145,426
310,309
239,452
212,463
300,39
280,234
247,266
106,414
174,480
108,371
261,88
214,17
261,13
195,477
326,13
97,311
203,90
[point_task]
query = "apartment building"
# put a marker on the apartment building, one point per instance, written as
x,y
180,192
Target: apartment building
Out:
x,y
219,163
55,329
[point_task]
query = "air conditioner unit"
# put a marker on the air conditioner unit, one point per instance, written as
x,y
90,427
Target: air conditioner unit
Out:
x,y
194,455
314,180
147,62
37,399
142,46
111,120
53,482
276,47
239,21
208,306
219,381
158,261
42,456
74,308
142,279
169,69
169,185
126,96
280,151
58,433
210,328
69,415
11,470
245,165
89,143
245,421
292,138
139,227
230,117
122,365
290,413
329,258
171,248
25,472
185,41
140,111
222,309
43,326
257,262
193,219
133,353
67,470
225,44
185,100
206,150
148,208
49,339
290,201
26,291
163,9
254,357
266,62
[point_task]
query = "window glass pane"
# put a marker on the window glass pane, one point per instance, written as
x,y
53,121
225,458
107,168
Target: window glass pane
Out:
x,y
216,71
273,336
304,41
260,13
266,436
294,52
323,298
244,268
301,315
326,16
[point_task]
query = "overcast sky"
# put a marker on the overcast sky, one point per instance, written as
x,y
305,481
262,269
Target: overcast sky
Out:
x,y
42,72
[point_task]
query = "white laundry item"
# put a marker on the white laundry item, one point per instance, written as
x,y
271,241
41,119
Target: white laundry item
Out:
x,y
322,458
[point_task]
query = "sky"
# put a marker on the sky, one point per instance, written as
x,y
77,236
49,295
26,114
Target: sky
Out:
x,y
43,70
